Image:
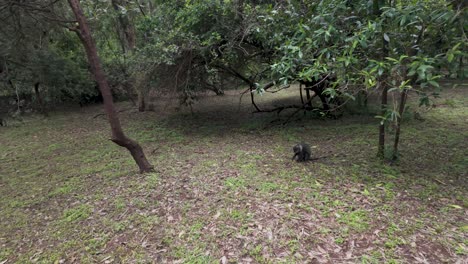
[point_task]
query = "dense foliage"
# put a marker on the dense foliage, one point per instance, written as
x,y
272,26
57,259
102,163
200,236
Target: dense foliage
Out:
x,y
260,40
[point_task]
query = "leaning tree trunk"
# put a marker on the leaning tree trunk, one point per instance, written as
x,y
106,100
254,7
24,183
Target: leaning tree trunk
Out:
x,y
118,135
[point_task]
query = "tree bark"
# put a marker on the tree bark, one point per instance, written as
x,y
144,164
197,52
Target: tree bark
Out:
x,y
404,96
383,112
118,135
141,102
127,36
140,81
40,101
18,100
461,69
252,99
401,110
377,5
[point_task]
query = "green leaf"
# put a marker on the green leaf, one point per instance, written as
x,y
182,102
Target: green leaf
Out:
x,y
317,183
380,71
434,83
425,67
350,96
386,37
366,192
403,20
456,46
391,59
450,57
363,43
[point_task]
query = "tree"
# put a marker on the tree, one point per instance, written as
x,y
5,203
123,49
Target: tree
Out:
x,y
378,5
389,47
45,62
118,135
127,38
422,37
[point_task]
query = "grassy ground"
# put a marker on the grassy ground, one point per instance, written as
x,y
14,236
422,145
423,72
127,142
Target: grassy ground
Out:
x,y
226,190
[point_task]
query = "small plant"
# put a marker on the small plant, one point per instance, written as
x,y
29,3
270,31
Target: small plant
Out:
x,y
119,226
234,183
78,213
61,190
152,179
357,220
268,187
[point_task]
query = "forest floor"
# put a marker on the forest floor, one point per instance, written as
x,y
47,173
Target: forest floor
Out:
x,y
226,191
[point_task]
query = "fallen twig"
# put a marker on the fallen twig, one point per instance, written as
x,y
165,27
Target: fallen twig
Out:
x,y
439,181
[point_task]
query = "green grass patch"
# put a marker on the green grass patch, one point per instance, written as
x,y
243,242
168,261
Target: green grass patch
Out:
x,y
78,213
357,220
235,183
225,186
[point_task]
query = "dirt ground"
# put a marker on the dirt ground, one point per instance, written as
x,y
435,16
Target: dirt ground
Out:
x,y
226,191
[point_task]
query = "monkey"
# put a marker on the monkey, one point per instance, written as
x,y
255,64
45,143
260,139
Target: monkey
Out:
x,y
302,151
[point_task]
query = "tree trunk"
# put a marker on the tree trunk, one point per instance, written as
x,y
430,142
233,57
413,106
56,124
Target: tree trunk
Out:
x,y
18,100
362,98
383,112
127,36
141,101
326,106
150,7
377,7
252,89
461,68
401,110
40,101
140,81
118,135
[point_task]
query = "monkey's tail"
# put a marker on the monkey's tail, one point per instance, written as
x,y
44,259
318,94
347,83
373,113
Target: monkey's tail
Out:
x,y
312,159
